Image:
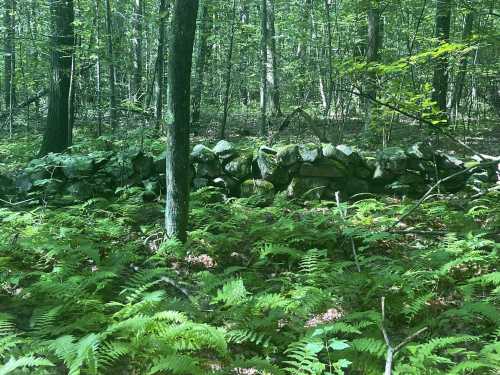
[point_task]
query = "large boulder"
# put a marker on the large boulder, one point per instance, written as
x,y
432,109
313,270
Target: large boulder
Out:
x,y
310,152
264,190
143,166
225,150
239,168
310,188
76,167
447,166
391,162
269,170
228,184
288,155
202,154
324,168
208,169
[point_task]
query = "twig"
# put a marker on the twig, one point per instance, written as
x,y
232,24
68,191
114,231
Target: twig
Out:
x,y
17,203
418,118
392,351
437,184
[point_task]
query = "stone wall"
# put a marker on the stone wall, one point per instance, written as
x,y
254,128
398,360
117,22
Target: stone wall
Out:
x,y
304,171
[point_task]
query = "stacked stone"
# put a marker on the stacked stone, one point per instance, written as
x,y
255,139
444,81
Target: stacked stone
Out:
x,y
304,171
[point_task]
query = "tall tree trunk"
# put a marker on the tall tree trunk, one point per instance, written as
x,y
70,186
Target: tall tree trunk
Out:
x,y
462,72
372,56
179,79
58,132
98,67
440,78
113,120
229,69
263,76
329,58
201,56
9,54
137,41
160,64
272,61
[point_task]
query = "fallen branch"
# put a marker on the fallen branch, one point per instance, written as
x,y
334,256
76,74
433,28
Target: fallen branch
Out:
x,y
392,351
437,184
418,118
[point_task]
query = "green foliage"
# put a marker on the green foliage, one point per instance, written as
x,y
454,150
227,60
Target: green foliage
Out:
x,y
86,289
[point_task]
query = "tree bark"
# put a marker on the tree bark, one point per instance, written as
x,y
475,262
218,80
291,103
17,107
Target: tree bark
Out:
x,y
58,132
9,72
179,78
229,69
263,76
113,120
372,56
272,61
137,41
98,67
462,72
440,78
201,57
160,64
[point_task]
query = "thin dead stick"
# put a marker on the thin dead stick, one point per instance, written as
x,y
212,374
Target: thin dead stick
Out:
x,y
418,118
437,184
16,203
343,214
392,351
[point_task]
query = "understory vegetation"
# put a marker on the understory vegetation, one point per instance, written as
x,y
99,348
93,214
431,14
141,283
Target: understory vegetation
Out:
x,y
292,288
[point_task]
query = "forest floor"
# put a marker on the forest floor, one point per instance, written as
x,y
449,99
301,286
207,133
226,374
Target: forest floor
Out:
x,y
292,288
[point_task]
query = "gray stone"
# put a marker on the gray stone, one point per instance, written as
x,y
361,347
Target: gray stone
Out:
x,y
199,182
324,168
228,184
288,155
391,162
329,151
79,189
269,169
349,156
225,150
208,169
267,150
239,168
355,186
202,153
264,189
77,166
420,150
309,188
310,152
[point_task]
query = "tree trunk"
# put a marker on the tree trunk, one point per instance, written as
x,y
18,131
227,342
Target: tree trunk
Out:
x,y
263,77
440,78
58,133
138,19
160,64
462,72
372,56
272,61
98,67
229,68
179,79
9,72
112,71
201,56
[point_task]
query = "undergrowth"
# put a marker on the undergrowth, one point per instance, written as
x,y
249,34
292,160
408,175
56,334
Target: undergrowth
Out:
x,y
95,289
